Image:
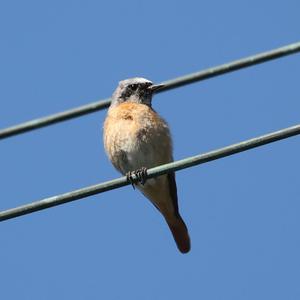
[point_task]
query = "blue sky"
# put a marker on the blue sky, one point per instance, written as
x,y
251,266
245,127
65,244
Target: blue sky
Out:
x,y
242,211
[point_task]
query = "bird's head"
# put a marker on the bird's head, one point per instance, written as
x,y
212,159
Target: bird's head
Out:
x,y
137,90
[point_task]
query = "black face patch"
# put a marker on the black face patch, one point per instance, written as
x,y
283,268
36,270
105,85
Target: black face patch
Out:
x,y
126,93
140,89
133,87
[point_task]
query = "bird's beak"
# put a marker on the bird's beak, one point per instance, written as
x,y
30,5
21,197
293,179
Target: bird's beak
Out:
x,y
155,87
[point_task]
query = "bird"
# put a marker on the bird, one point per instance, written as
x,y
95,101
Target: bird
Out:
x,y
135,139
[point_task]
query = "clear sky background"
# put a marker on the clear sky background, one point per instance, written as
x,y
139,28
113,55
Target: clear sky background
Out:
x,y
242,212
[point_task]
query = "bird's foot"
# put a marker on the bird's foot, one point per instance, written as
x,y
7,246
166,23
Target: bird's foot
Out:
x,y
140,176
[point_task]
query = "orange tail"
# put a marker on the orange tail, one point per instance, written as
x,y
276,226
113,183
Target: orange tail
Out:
x,y
180,234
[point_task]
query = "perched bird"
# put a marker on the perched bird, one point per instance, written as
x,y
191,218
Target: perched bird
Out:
x,y
137,138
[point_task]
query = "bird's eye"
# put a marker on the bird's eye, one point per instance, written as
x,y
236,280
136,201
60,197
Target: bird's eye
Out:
x,y
133,87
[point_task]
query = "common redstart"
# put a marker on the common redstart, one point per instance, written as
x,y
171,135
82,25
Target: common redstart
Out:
x,y
137,138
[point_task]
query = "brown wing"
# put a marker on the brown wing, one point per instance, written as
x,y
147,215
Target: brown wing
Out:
x,y
173,192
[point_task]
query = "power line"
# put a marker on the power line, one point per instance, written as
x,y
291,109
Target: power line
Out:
x,y
170,84
153,172
232,66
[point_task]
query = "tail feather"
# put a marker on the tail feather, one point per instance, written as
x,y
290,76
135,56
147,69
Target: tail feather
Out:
x,y
180,234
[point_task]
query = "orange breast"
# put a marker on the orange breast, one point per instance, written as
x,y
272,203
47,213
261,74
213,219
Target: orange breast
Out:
x,y
138,131
132,111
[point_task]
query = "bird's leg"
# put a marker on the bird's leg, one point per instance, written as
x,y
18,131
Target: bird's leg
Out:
x,y
140,176
130,178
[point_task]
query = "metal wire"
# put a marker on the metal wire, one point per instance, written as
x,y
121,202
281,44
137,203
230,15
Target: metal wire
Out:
x,y
163,169
170,84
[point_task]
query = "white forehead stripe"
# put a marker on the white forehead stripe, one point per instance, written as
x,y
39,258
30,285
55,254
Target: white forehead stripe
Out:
x,y
135,80
140,80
